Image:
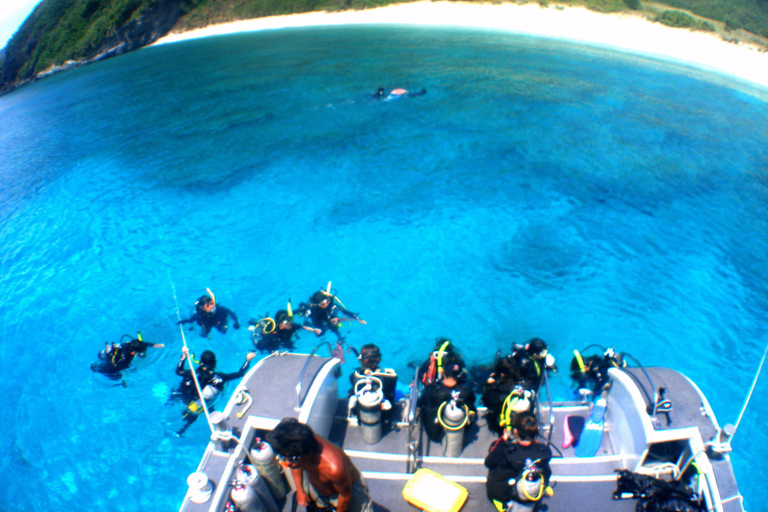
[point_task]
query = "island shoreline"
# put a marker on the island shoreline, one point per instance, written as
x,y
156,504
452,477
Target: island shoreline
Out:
x,y
623,32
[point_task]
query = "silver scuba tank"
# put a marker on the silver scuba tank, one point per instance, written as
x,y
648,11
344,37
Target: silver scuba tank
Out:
x,y
530,485
453,418
250,492
369,395
263,457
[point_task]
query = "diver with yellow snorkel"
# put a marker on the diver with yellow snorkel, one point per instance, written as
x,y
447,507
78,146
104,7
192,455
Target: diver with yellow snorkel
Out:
x,y
208,315
323,312
211,383
117,357
519,472
271,335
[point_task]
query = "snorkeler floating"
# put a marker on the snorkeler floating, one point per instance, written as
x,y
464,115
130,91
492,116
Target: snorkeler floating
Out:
x,y
208,315
395,94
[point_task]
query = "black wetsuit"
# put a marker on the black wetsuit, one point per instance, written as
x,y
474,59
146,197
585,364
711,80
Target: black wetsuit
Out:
x,y
216,318
320,318
278,339
205,377
435,395
531,369
119,358
507,460
493,399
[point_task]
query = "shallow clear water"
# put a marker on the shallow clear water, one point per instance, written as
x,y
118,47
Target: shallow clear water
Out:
x,y
537,189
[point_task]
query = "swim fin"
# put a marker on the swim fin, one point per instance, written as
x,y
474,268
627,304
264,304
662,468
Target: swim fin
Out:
x,y
573,426
592,436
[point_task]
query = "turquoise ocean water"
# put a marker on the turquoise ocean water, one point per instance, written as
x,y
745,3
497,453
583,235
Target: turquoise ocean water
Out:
x,y
537,189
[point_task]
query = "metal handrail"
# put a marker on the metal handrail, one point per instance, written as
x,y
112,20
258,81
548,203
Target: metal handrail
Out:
x,y
411,416
655,398
299,401
549,401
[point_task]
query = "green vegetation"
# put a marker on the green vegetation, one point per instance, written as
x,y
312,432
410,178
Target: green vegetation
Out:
x,y
81,30
750,15
682,20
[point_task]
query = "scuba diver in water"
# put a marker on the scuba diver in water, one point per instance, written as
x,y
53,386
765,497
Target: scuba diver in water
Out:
x,y
395,94
590,373
518,466
271,335
323,311
533,360
117,357
211,383
208,315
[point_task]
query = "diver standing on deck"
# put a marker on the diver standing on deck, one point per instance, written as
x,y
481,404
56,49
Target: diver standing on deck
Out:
x,y
332,480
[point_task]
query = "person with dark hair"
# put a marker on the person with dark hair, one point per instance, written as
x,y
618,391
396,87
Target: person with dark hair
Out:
x,y
449,388
498,387
332,480
518,466
211,383
533,360
370,358
117,357
281,335
431,370
323,313
208,315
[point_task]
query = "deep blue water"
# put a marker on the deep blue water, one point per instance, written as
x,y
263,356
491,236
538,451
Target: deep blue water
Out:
x,y
537,189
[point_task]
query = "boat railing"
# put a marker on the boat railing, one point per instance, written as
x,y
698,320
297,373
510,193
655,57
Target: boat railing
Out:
x,y
413,444
299,399
653,401
551,419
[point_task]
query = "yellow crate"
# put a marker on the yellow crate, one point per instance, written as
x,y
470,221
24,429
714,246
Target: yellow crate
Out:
x,y
432,492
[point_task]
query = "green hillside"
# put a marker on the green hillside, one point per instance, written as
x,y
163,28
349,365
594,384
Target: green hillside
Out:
x,y
64,33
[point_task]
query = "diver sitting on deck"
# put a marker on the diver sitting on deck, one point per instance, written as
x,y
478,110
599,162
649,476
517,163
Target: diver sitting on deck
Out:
x,y
501,390
270,335
333,480
431,370
518,466
210,382
208,315
370,357
117,357
449,390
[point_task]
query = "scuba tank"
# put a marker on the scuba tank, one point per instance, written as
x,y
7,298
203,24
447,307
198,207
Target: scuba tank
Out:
x,y
369,395
263,458
453,417
209,393
530,487
249,491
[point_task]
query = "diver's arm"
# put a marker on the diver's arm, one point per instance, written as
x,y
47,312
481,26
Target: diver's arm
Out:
x,y
231,376
231,313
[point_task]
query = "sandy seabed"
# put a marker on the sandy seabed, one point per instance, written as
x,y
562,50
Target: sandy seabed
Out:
x,y
624,31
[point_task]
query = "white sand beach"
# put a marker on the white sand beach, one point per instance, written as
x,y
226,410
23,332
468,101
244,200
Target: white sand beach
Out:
x,y
622,31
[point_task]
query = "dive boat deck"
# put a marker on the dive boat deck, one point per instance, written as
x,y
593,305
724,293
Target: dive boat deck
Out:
x,y
306,387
